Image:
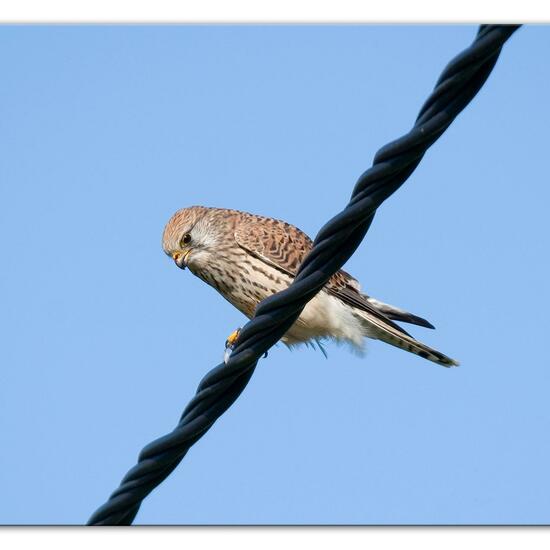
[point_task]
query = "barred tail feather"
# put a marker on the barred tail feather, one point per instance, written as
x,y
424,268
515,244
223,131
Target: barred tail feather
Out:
x,y
375,327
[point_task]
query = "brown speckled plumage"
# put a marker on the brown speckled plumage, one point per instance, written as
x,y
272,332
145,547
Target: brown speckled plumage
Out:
x,y
247,258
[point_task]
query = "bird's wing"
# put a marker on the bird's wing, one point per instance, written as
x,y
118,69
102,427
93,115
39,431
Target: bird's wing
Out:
x,y
277,243
284,247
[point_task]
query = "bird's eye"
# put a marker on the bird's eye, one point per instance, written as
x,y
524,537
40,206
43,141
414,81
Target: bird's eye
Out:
x,y
186,239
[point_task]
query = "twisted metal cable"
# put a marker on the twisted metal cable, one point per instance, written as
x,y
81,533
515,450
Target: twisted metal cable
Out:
x,y
333,246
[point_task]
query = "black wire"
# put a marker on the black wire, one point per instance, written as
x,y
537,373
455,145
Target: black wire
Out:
x,y
334,244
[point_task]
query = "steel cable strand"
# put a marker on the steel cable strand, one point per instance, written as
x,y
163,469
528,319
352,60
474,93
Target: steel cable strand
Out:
x,y
334,244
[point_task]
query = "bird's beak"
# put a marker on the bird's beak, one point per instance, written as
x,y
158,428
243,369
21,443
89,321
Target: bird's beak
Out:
x,y
181,258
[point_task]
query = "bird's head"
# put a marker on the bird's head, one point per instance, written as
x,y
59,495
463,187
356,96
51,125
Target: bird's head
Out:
x,y
190,238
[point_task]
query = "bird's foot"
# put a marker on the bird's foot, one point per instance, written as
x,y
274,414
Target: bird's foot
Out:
x,y
230,344
232,338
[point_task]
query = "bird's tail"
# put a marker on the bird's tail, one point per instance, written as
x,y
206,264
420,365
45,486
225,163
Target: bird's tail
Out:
x,y
375,326
397,314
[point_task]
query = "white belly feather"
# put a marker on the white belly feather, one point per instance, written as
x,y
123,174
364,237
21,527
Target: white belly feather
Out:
x,y
325,316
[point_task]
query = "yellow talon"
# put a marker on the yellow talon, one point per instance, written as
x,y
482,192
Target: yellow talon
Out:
x,y
232,338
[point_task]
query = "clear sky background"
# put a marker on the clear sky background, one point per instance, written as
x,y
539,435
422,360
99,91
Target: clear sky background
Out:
x,y
106,131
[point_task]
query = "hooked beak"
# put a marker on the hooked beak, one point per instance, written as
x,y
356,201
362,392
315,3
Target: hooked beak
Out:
x,y
181,258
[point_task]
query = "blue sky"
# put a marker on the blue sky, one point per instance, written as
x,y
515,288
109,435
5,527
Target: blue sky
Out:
x,y
106,131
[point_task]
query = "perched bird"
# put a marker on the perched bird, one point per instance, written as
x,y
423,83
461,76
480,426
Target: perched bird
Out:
x,y
247,258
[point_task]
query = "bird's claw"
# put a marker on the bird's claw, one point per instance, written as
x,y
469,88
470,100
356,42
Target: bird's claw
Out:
x,y
232,338
230,344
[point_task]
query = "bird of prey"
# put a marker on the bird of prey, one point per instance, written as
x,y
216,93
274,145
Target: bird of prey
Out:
x,y
247,258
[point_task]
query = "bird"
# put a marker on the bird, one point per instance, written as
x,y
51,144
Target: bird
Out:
x,y
248,257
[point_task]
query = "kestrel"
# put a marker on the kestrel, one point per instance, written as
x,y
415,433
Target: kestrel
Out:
x,y
247,258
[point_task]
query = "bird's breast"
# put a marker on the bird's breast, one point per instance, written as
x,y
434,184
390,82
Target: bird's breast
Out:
x,y
242,279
